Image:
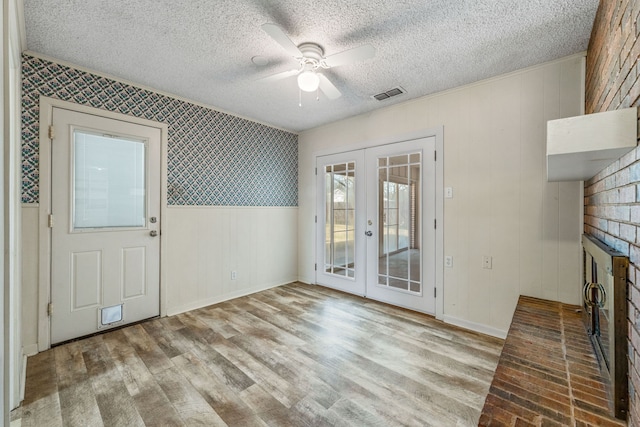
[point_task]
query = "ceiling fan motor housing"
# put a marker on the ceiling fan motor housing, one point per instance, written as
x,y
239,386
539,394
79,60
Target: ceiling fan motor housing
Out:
x,y
311,50
311,54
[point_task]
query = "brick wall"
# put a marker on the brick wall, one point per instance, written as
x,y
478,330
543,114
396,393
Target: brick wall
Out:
x,y
612,198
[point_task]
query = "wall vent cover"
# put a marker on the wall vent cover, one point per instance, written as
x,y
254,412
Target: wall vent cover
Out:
x,y
390,93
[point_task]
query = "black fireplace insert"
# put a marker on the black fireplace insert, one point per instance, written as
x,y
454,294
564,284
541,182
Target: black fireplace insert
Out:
x,y
605,314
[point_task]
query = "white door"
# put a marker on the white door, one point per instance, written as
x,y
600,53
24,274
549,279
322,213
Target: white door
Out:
x,y
340,263
105,255
401,213
375,223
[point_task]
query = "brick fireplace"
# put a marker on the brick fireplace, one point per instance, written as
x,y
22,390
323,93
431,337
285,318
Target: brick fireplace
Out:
x,y
612,197
548,373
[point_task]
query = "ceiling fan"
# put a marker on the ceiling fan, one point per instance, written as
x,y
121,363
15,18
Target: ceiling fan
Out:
x,y
312,60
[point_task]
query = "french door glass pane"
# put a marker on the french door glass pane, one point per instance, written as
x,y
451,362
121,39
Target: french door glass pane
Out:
x,y
340,214
403,216
382,210
399,211
109,181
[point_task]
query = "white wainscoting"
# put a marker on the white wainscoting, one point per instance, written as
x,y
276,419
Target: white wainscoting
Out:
x,y
30,278
201,247
502,205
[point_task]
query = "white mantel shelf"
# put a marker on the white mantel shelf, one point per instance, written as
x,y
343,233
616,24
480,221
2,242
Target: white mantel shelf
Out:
x,y
580,147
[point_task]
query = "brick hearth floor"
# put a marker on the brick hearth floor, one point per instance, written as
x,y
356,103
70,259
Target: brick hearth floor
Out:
x,y
547,374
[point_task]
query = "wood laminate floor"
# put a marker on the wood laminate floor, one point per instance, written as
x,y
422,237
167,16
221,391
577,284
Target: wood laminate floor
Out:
x,y
296,355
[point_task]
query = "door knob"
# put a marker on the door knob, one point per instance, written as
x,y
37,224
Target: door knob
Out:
x,y
368,233
153,233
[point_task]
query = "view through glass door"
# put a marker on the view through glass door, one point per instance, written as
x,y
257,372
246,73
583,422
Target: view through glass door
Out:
x,y
375,226
341,205
401,213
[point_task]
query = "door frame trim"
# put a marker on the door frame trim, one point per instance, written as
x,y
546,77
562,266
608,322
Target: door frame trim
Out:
x,y
47,105
438,133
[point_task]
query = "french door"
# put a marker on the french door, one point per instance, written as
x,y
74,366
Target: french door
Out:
x,y
375,223
340,222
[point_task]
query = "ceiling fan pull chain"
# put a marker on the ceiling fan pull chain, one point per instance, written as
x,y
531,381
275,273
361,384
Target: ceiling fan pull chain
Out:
x,y
299,97
318,94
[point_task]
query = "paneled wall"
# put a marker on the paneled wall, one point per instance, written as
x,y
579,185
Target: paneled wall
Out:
x,y
612,197
494,159
232,190
206,244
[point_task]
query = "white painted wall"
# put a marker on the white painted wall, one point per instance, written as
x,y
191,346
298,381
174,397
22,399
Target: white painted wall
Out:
x,y
201,246
13,42
13,183
6,357
495,143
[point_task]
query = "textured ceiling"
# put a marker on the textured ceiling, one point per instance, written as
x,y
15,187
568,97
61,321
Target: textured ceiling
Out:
x,y
202,49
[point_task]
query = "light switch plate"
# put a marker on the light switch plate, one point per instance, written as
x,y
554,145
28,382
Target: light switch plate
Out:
x,y
448,193
448,261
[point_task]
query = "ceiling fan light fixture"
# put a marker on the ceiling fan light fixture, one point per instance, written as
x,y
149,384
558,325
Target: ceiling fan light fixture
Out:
x,y
308,81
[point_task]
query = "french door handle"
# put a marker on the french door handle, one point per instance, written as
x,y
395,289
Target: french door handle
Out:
x,y
153,233
368,233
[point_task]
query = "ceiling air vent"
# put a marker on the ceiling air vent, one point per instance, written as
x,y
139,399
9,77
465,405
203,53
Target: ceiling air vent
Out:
x,y
388,94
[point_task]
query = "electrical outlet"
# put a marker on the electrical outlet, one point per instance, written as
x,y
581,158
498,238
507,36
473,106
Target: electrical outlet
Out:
x,y
487,262
234,275
448,261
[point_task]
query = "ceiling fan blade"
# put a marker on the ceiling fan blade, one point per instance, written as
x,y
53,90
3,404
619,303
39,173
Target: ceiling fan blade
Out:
x,y
328,88
279,76
349,56
282,39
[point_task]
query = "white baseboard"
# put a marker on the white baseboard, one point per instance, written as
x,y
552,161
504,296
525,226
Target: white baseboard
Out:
x,y
172,311
477,327
30,350
307,280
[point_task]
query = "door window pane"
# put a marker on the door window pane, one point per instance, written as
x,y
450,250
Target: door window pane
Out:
x,y
403,215
398,160
339,253
340,209
399,211
109,181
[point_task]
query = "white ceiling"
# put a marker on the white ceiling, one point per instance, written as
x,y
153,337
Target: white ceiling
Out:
x,y
202,49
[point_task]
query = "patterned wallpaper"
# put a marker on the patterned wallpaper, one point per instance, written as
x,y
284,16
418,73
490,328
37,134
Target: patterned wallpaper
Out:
x,y
214,159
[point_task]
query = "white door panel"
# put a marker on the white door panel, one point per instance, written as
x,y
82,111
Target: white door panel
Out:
x,y
134,266
106,206
85,279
